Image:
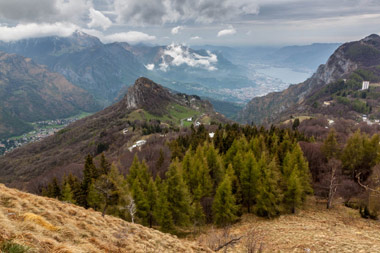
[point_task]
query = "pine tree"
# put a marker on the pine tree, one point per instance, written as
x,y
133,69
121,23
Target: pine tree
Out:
x,y
53,190
294,192
152,196
330,146
162,213
67,194
89,173
105,166
160,160
142,205
75,186
268,201
224,207
215,165
248,179
236,188
178,195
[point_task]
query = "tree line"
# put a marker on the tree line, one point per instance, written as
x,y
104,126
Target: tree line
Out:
x,y
209,180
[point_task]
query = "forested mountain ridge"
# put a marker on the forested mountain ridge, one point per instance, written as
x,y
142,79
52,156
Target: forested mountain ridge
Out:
x,y
147,112
29,92
297,99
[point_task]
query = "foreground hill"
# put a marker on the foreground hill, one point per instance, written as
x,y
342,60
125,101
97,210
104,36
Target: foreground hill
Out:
x,y
314,229
48,225
29,92
148,112
338,81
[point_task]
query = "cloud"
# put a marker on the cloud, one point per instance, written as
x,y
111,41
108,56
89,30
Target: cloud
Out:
x,y
140,12
195,38
177,55
98,20
149,66
225,32
131,37
45,11
176,29
33,30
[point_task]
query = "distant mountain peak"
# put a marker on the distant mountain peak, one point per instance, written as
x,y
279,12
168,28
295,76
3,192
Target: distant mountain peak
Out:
x,y
372,37
146,94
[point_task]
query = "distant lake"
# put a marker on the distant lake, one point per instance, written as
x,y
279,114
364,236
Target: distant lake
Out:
x,y
287,75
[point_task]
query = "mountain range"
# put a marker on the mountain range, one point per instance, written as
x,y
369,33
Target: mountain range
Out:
x,y
148,112
334,90
30,92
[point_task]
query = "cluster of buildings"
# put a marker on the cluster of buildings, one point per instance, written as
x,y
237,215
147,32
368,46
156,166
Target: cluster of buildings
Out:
x,y
42,130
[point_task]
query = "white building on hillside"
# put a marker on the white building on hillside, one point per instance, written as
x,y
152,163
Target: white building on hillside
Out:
x,y
365,85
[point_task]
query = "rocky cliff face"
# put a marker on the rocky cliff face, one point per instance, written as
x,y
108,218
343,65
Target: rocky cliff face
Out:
x,y
346,59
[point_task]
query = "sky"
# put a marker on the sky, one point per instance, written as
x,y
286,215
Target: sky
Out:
x,y
194,22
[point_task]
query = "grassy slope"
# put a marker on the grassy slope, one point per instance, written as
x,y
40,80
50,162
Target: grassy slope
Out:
x,y
173,117
337,230
48,225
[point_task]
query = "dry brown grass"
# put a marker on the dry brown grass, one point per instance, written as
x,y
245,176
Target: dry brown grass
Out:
x,y
48,225
337,230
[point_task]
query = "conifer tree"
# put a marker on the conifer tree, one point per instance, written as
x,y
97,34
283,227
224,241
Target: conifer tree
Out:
x,y
224,207
330,146
198,216
152,196
294,192
236,188
268,200
67,194
75,186
105,166
142,205
215,165
53,190
162,213
248,179
178,195
94,198
160,160
89,173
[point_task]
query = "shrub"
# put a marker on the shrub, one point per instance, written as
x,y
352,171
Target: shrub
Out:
x,y
12,247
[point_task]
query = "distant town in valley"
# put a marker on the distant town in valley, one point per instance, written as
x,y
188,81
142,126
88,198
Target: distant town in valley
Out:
x,y
42,129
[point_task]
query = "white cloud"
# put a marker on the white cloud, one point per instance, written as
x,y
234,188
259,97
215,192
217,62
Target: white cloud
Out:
x,y
177,55
45,11
131,37
98,20
33,30
176,29
149,66
195,38
229,31
140,12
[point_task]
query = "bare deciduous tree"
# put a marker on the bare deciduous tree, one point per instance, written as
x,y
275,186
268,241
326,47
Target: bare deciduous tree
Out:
x,y
131,208
333,165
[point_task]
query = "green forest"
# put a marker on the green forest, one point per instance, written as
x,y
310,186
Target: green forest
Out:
x,y
242,169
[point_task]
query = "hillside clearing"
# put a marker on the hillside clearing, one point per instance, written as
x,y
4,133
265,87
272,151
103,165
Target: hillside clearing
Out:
x,y
340,229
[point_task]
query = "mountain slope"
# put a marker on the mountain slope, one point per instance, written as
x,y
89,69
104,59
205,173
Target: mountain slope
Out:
x,y
350,57
49,225
29,92
84,60
148,111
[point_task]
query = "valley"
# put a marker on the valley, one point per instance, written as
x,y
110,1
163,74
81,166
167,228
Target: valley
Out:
x,y
189,126
41,130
